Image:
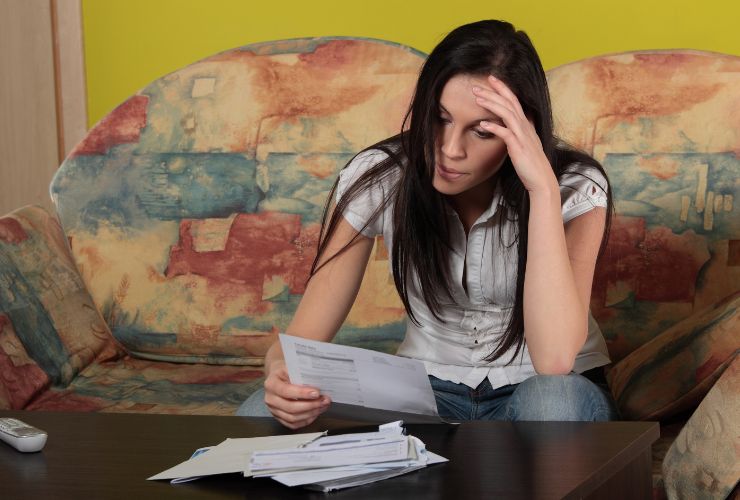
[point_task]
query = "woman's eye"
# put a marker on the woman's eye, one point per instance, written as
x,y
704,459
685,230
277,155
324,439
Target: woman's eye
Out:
x,y
442,119
483,134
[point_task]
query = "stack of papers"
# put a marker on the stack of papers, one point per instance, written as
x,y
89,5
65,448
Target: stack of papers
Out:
x,y
315,461
335,462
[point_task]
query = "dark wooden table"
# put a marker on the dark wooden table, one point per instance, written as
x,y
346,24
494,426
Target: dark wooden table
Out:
x,y
99,455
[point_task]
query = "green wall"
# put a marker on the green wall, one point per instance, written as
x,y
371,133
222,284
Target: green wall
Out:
x,y
129,43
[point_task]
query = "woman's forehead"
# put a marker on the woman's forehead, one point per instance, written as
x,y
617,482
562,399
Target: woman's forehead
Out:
x,y
457,98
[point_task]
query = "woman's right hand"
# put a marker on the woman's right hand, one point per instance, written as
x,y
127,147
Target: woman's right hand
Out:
x,y
294,406
328,297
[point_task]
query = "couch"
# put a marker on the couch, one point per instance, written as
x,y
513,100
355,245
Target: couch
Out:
x,y
187,220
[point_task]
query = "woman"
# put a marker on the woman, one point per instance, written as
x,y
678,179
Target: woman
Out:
x,y
493,227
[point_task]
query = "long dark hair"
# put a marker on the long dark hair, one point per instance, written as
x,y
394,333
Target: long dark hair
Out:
x,y
421,234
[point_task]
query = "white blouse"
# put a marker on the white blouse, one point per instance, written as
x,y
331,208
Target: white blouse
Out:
x,y
455,348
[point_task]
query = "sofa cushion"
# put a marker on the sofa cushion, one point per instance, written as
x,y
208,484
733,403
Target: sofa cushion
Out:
x,y
144,386
704,460
193,209
50,329
674,371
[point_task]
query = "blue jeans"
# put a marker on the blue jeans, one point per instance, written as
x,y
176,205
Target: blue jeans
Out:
x,y
542,397
254,405
570,397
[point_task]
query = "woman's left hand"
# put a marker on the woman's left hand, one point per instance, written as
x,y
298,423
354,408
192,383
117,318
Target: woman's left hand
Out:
x,y
523,143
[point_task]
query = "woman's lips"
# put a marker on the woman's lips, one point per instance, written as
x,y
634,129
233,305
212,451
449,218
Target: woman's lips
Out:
x,y
448,174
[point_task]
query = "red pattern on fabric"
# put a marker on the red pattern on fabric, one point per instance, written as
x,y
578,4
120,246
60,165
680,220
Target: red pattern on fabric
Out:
x,y
710,366
66,401
20,384
122,126
222,378
656,264
11,231
259,246
641,91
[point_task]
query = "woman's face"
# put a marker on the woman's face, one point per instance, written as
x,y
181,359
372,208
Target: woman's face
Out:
x,y
467,156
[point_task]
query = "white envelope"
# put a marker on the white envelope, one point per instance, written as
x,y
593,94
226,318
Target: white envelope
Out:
x,y
233,455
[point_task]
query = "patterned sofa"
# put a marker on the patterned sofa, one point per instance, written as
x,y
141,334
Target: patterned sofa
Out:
x,y
188,218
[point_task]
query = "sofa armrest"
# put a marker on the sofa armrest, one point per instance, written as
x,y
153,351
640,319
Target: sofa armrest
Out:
x,y
49,327
704,460
673,372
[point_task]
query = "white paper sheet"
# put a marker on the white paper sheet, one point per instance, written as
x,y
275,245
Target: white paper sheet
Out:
x,y
299,478
359,480
353,472
360,377
233,455
388,449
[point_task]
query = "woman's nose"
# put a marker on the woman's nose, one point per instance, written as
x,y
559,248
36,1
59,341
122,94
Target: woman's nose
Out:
x,y
452,146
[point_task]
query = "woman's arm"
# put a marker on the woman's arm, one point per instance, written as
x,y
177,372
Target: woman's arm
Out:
x,y
560,261
325,304
557,281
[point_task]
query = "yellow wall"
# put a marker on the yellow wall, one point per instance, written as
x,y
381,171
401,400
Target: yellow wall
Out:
x,y
129,43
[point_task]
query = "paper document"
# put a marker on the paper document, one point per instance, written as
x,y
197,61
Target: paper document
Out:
x,y
233,455
315,460
332,455
337,462
360,382
360,479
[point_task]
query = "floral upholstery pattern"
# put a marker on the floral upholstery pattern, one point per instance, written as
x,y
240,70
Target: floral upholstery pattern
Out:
x,y
194,208
50,329
57,354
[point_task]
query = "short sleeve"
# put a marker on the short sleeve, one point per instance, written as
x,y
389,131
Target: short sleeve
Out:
x,y
360,210
582,189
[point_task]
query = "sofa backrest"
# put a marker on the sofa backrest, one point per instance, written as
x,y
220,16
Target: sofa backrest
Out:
x,y
666,127
193,208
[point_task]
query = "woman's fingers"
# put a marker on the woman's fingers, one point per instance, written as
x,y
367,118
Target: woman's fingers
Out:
x,y
505,91
485,96
522,142
278,382
513,120
294,406
297,410
294,421
498,108
295,416
497,129
496,103
488,97
513,144
289,391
